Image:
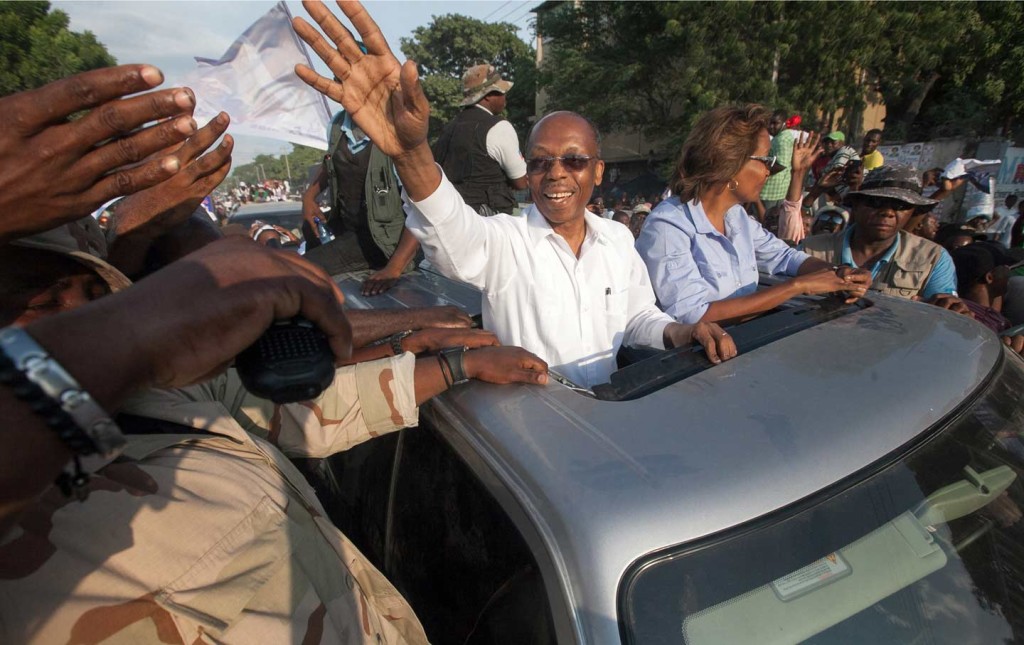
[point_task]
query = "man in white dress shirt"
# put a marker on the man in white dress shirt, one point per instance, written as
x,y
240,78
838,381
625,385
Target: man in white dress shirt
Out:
x,y
560,282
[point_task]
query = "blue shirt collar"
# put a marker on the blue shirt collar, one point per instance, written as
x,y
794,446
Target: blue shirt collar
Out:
x,y
355,137
885,259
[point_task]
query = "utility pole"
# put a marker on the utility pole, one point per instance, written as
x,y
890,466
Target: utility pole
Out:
x,y
288,168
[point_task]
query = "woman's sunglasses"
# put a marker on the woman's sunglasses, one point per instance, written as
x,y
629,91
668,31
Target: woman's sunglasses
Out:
x,y
572,163
771,162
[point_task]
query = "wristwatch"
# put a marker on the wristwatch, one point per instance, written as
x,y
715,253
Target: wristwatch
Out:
x,y
396,341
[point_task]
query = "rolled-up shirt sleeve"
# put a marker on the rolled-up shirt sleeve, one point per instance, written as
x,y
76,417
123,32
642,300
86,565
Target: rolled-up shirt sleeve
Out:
x,y
681,291
365,400
774,256
791,222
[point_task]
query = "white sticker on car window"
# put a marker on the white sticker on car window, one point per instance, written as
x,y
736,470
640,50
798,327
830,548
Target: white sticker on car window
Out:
x,y
817,574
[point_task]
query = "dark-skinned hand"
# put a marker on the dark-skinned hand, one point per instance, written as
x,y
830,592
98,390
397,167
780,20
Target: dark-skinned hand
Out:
x,y
380,281
56,170
437,338
717,343
505,365
187,322
156,210
383,96
947,301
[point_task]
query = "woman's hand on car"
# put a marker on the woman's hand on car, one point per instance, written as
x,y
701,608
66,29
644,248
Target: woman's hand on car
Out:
x,y
717,343
853,283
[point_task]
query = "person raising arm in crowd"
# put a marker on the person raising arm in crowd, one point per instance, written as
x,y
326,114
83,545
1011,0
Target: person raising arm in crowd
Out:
x,y
791,224
560,281
702,250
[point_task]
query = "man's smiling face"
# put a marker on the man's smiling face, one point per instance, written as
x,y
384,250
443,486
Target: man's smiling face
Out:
x,y
560,193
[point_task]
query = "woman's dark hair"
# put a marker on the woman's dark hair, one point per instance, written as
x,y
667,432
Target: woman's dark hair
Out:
x,y
720,143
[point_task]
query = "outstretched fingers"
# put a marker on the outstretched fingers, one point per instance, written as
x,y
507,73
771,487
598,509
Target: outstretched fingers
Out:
x,y
52,103
198,143
366,26
412,96
335,60
330,89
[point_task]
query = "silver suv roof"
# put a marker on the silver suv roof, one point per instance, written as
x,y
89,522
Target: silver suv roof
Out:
x,y
598,484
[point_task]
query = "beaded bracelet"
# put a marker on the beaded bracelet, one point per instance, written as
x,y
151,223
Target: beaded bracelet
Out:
x,y
55,396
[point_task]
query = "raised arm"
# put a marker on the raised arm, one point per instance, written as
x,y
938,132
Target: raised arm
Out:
x,y
382,96
385,99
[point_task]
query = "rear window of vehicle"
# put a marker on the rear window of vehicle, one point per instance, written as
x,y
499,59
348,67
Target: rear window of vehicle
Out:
x,y
929,549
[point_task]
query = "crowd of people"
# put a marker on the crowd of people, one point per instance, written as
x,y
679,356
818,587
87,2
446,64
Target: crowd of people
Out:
x,y
147,496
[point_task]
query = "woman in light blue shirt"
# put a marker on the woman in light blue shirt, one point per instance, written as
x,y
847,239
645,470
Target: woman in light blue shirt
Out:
x,y
703,251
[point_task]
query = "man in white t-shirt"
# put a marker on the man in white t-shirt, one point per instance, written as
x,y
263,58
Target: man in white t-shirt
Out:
x,y
479,150
559,281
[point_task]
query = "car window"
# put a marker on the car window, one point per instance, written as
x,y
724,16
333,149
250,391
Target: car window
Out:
x,y
454,553
930,549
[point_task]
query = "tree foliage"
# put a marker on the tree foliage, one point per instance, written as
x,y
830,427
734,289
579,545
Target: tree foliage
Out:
x,y
941,68
36,47
451,44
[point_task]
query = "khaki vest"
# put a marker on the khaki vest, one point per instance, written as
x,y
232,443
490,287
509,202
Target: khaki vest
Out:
x,y
904,276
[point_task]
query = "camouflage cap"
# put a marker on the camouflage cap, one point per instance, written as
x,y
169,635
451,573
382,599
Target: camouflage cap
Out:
x,y
896,181
84,242
479,81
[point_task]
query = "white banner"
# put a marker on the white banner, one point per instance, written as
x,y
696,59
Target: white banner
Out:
x,y
255,83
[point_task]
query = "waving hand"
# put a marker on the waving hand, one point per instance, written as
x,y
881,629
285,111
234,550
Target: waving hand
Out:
x,y
382,96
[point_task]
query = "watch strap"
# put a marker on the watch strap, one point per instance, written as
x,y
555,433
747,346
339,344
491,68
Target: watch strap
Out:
x,y
396,341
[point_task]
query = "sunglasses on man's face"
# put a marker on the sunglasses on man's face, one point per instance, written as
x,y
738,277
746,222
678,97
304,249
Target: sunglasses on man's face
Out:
x,y
886,203
572,163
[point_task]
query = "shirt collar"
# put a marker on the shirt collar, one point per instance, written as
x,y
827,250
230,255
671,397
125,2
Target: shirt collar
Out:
x,y
538,227
477,105
703,225
699,219
848,254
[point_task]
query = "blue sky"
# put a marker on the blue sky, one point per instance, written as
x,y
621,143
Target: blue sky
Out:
x,y
170,34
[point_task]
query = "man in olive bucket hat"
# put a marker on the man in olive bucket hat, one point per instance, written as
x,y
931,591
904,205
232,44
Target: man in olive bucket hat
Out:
x,y
479,150
901,264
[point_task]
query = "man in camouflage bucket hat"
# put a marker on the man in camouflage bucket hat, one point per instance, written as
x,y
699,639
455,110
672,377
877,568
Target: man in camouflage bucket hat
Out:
x,y
901,264
479,150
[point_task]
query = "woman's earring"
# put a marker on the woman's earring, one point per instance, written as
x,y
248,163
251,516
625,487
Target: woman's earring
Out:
x,y
733,185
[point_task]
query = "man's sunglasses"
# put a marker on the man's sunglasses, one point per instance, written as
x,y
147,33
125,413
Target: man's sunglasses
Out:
x,y
831,219
771,162
882,203
572,163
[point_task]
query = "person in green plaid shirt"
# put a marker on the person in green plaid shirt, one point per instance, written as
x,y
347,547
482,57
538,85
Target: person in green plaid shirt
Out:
x,y
775,188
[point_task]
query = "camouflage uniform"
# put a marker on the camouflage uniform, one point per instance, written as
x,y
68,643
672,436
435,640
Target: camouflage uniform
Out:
x,y
212,537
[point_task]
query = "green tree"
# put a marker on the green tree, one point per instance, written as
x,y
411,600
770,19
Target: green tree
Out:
x,y
950,68
453,43
36,47
655,66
